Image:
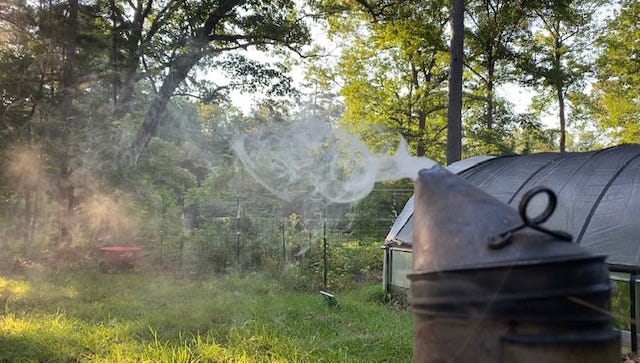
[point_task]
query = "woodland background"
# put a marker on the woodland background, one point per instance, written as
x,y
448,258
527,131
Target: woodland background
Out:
x,y
116,115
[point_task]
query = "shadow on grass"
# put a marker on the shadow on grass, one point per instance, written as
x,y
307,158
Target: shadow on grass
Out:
x,y
31,348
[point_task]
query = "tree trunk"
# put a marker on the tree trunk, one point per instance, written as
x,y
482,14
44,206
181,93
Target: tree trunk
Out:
x,y
26,222
454,113
124,89
177,74
69,81
68,68
180,67
69,203
34,217
421,146
491,65
561,115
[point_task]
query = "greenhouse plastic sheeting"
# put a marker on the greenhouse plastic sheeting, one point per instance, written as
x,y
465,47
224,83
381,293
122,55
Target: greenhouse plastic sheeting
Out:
x,y
598,197
402,229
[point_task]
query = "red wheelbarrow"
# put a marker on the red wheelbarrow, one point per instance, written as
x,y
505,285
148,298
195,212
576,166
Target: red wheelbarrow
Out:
x,y
118,258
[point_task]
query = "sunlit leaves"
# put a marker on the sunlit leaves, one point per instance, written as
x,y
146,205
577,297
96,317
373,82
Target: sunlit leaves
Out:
x,y
556,60
617,101
394,69
493,25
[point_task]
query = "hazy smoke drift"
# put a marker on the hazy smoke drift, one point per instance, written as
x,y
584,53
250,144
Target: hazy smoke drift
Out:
x,y
315,161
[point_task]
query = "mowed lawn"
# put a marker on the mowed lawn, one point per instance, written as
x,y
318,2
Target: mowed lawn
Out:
x,y
138,317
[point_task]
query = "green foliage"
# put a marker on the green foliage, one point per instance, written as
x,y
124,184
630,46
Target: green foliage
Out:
x,y
495,140
395,59
349,262
78,79
161,166
490,39
394,67
356,261
491,35
617,108
558,56
210,248
533,138
620,302
373,216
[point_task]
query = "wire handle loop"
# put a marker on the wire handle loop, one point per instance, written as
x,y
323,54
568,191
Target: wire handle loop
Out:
x,y
535,222
528,197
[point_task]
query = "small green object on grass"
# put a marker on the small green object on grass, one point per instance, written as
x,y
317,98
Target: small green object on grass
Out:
x,y
330,299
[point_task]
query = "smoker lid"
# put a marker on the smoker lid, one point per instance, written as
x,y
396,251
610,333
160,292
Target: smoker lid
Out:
x,y
401,232
457,224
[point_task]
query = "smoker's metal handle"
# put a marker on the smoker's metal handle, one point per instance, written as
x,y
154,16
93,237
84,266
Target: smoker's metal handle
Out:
x,y
504,238
542,217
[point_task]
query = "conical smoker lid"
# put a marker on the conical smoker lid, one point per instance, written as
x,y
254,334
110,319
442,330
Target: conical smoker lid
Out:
x,y
454,222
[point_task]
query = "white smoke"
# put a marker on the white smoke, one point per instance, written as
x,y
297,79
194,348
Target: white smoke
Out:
x,y
315,161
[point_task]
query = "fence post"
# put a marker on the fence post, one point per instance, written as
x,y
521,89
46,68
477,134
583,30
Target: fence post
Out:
x,y
633,311
238,229
284,246
324,243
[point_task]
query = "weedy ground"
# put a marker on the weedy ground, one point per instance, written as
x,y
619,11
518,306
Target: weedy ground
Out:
x,y
78,316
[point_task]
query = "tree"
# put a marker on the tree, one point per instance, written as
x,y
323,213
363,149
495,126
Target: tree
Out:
x,y
556,58
393,70
49,52
176,37
617,106
62,60
493,27
69,84
23,75
374,215
320,100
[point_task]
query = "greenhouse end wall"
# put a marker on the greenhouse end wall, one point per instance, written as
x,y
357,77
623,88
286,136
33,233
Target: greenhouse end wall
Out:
x,y
397,265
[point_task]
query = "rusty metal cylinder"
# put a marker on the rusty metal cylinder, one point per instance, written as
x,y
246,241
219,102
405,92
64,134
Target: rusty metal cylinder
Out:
x,y
491,284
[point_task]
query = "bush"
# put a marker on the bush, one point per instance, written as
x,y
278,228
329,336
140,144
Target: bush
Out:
x,y
348,264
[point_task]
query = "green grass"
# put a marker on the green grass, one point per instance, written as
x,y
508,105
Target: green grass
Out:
x,y
89,316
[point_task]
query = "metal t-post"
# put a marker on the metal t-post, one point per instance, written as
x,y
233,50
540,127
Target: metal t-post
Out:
x,y
633,311
162,231
284,245
324,242
238,230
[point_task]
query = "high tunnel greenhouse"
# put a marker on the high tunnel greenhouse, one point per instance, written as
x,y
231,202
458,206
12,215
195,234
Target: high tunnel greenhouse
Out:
x,y
598,203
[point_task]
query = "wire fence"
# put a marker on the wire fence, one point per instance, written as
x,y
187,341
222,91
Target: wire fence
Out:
x,y
221,232
321,247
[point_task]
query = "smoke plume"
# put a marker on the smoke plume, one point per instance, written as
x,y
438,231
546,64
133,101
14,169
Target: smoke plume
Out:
x,y
321,163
